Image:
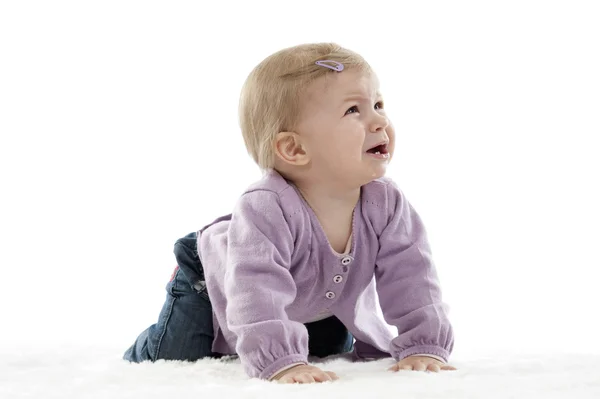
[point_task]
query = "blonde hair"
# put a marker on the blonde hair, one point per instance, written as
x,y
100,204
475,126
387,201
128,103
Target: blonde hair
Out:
x,y
270,100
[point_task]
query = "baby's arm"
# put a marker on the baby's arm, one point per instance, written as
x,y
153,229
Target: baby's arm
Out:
x,y
259,286
408,286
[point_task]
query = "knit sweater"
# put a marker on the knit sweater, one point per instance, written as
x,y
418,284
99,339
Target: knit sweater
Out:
x,y
269,269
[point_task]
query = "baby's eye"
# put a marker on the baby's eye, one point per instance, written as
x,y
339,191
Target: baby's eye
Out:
x,y
351,110
379,105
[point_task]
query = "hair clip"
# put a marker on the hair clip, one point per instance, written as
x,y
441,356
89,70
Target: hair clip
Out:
x,y
338,66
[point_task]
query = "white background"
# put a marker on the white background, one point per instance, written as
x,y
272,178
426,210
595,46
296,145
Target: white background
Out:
x,y
118,124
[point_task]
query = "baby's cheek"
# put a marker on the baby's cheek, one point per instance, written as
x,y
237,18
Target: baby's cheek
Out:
x,y
392,137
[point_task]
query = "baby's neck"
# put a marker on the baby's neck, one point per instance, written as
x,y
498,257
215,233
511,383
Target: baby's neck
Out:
x,y
334,208
329,201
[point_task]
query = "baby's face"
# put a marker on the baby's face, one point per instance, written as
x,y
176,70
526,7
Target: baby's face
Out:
x,y
345,129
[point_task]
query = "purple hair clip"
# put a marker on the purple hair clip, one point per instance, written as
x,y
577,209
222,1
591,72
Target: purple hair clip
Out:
x,y
337,66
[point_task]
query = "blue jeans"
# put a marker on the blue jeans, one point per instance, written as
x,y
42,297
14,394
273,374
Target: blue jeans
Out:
x,y
184,330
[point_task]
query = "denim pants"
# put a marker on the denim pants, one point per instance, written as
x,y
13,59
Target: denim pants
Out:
x,y
184,330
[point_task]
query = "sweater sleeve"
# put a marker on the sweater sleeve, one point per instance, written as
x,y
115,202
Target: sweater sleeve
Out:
x,y
259,287
408,286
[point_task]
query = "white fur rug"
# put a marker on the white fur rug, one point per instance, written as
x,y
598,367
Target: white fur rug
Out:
x,y
84,372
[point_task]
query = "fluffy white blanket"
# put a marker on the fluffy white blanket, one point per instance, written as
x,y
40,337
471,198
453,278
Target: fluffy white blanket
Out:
x,y
87,372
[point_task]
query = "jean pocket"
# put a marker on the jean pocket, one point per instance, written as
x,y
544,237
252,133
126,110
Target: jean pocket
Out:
x,y
180,286
200,289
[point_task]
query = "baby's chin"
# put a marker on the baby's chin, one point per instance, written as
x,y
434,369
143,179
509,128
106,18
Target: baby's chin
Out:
x,y
376,176
379,172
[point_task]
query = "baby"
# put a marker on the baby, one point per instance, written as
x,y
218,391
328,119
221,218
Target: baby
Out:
x,y
298,267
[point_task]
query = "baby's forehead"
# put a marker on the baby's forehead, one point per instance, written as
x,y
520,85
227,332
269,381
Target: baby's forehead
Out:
x,y
339,86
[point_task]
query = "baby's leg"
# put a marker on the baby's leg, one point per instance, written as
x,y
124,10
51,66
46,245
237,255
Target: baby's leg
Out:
x,y
328,337
184,330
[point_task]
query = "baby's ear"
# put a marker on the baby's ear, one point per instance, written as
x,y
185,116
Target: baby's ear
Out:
x,y
289,149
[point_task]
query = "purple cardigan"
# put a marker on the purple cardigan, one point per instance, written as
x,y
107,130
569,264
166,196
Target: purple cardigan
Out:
x,y
269,268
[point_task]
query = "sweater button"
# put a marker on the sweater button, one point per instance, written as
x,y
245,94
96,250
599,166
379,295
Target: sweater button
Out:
x,y
346,260
338,279
330,295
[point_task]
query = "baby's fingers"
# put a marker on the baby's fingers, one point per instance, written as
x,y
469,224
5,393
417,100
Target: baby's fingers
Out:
x,y
307,374
304,378
397,367
448,367
433,367
420,366
322,376
326,376
288,379
332,375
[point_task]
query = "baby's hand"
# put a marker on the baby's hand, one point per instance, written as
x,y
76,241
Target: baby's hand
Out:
x,y
421,363
305,374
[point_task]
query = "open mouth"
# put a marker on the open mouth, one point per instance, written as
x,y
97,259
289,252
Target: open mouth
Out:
x,y
380,149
